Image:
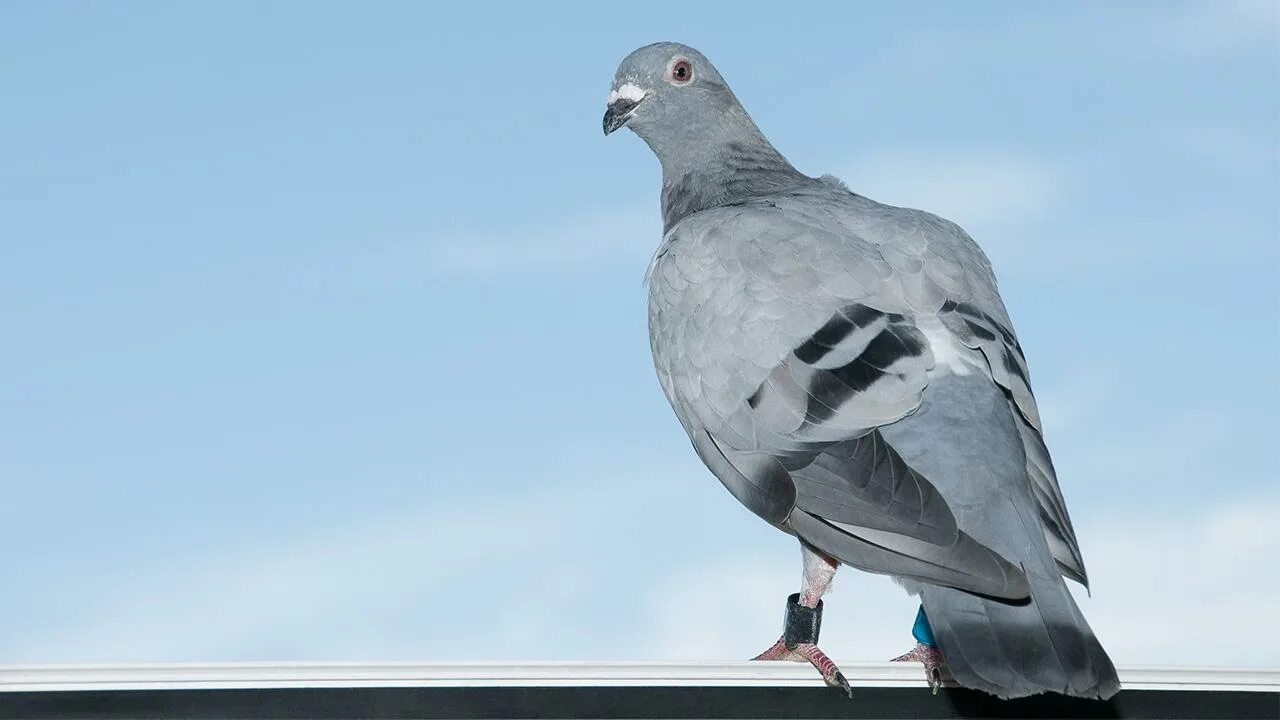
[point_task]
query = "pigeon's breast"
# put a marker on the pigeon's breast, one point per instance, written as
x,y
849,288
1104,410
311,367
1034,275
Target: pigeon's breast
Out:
x,y
724,311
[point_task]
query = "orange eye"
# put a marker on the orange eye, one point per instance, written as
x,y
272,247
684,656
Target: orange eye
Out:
x,y
681,72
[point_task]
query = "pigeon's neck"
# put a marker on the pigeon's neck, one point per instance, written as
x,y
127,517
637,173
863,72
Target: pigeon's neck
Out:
x,y
724,168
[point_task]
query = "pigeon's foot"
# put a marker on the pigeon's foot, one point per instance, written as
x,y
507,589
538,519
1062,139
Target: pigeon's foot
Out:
x,y
934,667
808,652
803,621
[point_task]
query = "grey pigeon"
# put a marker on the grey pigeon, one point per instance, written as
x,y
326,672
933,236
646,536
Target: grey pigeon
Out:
x,y
848,371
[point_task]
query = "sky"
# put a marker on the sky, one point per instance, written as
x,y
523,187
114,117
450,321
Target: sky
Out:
x,y
324,333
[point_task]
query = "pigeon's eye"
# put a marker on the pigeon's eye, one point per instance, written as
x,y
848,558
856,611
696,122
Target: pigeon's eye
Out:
x,y
681,72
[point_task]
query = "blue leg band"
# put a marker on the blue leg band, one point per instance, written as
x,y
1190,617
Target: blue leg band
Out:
x,y
921,630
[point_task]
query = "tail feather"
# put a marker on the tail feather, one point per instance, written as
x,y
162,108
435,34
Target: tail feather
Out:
x,y
1013,650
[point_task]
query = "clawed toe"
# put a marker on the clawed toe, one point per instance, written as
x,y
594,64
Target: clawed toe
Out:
x,y
928,656
934,676
810,653
841,684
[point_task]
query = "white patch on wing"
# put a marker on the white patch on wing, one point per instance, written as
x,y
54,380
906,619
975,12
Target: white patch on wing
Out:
x,y
626,91
949,353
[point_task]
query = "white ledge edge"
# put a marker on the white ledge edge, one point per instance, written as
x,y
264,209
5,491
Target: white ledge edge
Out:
x,y
48,678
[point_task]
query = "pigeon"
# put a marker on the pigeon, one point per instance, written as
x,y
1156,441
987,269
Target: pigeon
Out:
x,y
848,371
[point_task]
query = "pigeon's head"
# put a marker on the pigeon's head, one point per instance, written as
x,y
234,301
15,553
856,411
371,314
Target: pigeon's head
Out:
x,y
666,91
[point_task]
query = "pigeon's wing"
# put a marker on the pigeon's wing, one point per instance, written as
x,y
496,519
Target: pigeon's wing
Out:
x,y
783,343
943,275
993,335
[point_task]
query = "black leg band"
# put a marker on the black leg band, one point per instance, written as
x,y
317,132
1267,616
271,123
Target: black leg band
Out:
x,y
802,623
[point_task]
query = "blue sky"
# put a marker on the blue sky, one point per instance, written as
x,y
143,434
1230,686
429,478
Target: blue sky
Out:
x,y
324,321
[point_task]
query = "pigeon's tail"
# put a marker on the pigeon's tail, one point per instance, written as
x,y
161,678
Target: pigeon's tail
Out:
x,y
1012,650
964,439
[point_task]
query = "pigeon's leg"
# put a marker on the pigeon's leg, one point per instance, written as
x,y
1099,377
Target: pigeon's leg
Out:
x,y
799,641
925,651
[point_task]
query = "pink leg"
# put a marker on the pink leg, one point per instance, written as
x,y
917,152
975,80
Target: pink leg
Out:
x,y
818,572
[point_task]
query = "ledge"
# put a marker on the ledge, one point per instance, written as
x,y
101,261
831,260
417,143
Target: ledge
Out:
x,y
598,690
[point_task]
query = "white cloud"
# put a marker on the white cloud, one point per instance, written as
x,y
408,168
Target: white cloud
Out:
x,y
1194,589
520,574
339,592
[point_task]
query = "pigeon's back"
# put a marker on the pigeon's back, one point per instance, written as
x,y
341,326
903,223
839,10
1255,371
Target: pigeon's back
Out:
x,y
735,289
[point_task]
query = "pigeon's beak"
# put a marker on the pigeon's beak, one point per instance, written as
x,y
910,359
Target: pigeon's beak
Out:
x,y
618,113
623,101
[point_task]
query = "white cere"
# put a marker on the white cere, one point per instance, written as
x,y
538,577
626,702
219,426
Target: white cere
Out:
x,y
626,91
